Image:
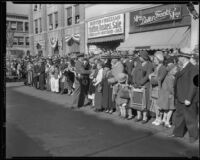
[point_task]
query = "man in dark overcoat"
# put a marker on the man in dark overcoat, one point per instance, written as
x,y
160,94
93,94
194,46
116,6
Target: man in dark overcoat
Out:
x,y
185,92
78,95
42,75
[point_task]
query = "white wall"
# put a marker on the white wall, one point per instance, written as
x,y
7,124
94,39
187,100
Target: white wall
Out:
x,y
100,10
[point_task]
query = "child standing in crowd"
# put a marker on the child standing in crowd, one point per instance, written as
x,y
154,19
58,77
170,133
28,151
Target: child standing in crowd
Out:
x,y
121,92
166,93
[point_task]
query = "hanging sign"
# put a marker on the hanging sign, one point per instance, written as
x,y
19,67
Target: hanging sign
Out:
x,y
161,15
106,26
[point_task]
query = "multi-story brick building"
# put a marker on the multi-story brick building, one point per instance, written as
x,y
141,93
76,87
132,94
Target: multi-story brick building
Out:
x,y
57,29
19,26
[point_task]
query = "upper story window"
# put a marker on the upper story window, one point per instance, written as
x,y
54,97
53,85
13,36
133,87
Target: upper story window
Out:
x,y
50,22
36,26
35,7
15,41
40,22
27,41
19,26
56,19
77,14
69,16
26,26
13,25
40,6
20,40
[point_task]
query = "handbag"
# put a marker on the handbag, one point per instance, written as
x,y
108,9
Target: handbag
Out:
x,y
124,93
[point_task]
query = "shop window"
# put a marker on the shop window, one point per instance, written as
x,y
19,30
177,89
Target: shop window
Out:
x,y
26,26
40,22
69,16
56,19
77,15
27,41
36,26
50,22
20,41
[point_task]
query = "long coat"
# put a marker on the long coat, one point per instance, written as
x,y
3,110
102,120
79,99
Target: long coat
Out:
x,y
116,69
42,76
144,81
186,116
129,65
166,93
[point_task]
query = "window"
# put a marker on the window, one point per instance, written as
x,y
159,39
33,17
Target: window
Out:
x,y
40,21
56,19
27,41
77,15
35,7
7,24
15,41
13,25
26,26
40,6
20,41
69,16
19,26
36,26
50,22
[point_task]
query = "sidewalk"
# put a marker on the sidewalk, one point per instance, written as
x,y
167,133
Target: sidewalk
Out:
x,y
64,100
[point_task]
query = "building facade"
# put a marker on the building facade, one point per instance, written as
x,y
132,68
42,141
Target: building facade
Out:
x,y
57,29
17,30
110,27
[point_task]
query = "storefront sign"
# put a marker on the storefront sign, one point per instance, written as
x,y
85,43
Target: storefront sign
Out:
x,y
106,26
167,14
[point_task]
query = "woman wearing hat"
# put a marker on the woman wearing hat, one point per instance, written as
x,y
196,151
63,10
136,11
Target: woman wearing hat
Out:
x,y
30,73
156,80
166,93
98,87
147,69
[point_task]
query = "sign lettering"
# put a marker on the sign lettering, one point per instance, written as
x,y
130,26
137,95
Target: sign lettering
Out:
x,y
106,26
157,16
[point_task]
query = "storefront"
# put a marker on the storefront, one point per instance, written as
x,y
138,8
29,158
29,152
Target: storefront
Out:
x,y
161,27
105,33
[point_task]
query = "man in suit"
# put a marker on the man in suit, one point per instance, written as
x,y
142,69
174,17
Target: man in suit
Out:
x,y
185,92
42,75
36,74
78,95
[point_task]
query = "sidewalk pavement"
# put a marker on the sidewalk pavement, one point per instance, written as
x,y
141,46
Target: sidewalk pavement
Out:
x,y
65,101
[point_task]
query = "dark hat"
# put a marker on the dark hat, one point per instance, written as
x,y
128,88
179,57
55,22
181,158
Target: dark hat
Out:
x,y
169,60
144,55
80,55
107,65
184,55
195,56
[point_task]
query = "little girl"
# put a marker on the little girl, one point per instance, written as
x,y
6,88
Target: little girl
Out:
x,y
121,96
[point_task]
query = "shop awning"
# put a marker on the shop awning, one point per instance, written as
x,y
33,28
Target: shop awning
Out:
x,y
161,39
106,39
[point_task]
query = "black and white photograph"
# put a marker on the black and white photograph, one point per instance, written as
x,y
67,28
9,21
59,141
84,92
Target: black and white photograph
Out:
x,y
101,80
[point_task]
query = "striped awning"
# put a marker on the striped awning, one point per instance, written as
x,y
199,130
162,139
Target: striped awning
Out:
x,y
106,39
160,39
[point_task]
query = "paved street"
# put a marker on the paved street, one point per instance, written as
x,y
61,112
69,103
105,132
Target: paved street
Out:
x,y
40,123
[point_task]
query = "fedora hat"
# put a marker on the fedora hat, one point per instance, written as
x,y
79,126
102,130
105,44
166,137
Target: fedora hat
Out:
x,y
144,55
